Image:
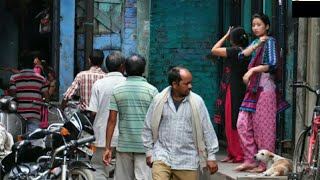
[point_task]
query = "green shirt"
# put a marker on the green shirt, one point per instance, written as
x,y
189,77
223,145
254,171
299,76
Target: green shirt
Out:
x,y
131,99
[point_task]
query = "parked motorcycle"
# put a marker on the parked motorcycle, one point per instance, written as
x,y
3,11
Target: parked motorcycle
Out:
x,y
59,157
13,121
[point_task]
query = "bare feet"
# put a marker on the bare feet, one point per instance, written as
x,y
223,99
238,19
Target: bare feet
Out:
x,y
238,160
246,166
258,169
227,159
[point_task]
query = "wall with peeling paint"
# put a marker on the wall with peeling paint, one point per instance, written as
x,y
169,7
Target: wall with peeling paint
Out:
x,y
67,34
115,28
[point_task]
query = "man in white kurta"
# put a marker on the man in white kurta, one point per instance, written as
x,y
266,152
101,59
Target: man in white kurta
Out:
x,y
99,102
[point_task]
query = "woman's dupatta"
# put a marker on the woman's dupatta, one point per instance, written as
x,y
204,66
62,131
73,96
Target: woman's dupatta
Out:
x,y
253,90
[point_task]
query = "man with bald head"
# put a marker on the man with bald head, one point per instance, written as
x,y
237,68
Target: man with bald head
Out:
x,y
130,100
178,136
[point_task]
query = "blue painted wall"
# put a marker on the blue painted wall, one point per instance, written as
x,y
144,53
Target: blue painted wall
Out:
x,y
105,42
67,34
129,38
125,41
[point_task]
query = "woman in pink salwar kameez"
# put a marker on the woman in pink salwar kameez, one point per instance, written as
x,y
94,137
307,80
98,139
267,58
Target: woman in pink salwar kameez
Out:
x,y
257,117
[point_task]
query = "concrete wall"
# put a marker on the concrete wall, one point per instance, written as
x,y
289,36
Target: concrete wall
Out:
x,y
143,29
183,33
287,44
313,63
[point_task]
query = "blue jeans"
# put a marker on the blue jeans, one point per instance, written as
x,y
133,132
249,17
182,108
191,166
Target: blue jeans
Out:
x,y
32,125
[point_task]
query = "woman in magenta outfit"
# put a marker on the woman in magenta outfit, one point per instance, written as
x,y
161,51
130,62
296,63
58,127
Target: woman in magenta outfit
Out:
x,y
232,89
257,117
38,68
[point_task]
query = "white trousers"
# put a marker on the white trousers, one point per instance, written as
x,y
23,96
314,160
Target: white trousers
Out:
x,y
132,166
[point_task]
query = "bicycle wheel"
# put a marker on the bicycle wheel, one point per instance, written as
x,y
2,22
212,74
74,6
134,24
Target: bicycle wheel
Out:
x,y
314,165
316,159
300,156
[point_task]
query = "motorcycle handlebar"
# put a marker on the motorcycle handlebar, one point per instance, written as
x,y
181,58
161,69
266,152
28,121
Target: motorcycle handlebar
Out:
x,y
72,143
41,103
84,140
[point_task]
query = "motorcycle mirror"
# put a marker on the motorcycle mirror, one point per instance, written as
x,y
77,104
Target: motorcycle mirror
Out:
x,y
38,134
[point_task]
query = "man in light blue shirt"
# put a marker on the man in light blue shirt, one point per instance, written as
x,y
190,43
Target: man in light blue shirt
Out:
x,y
178,135
130,100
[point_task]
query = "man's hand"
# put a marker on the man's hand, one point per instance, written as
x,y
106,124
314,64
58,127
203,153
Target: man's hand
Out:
x,y
212,167
148,161
107,157
64,104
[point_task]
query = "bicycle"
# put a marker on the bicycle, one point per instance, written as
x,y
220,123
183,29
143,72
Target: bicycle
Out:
x,y
306,157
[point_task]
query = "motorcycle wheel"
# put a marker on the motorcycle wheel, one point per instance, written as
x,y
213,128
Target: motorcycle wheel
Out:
x,y
81,174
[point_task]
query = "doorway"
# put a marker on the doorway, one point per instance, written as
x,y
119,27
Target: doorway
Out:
x,y
25,26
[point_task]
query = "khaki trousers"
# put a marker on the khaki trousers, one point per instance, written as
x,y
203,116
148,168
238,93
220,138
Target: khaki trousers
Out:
x,y
161,171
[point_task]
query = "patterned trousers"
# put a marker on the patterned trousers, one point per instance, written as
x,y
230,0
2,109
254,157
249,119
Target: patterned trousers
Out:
x,y
258,130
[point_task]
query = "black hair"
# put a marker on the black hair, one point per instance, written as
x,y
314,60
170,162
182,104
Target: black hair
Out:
x,y
174,74
239,37
96,57
264,18
114,61
26,62
135,65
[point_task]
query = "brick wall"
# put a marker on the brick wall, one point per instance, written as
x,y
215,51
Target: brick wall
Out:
x,y
183,33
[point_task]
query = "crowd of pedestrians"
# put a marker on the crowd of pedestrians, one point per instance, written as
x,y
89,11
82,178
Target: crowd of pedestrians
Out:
x,y
168,134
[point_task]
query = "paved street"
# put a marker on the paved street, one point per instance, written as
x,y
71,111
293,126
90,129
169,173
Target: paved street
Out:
x,y
225,172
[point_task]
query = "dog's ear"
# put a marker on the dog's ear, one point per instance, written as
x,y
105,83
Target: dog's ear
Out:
x,y
271,156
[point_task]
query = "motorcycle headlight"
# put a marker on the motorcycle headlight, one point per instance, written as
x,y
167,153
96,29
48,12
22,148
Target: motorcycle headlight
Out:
x,y
8,103
13,105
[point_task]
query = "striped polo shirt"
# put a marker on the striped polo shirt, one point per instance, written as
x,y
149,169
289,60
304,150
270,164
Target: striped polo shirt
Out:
x,y
29,87
131,99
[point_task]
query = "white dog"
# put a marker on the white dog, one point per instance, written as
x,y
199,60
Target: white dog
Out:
x,y
276,165
6,141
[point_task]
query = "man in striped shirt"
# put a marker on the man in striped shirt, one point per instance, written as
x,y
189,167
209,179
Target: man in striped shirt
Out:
x,y
29,86
178,135
84,81
130,99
